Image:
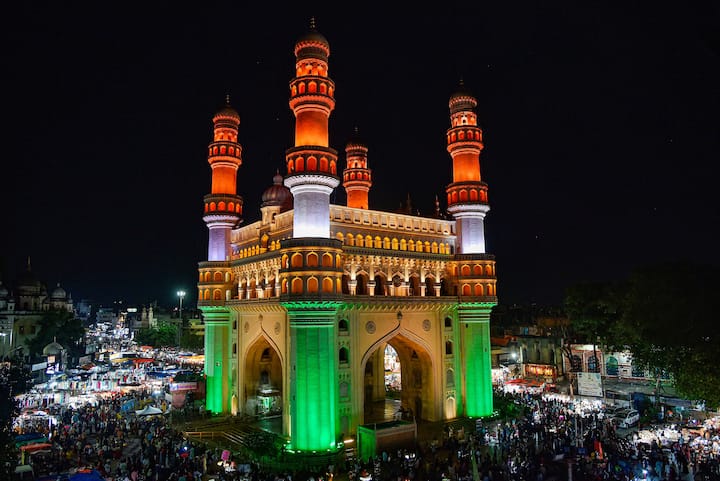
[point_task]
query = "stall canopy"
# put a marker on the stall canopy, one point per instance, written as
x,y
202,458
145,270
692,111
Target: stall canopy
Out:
x,y
87,475
148,410
35,447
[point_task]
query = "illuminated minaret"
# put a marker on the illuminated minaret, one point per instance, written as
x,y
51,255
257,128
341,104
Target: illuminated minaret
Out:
x,y
467,194
311,163
468,203
312,290
223,207
223,211
357,177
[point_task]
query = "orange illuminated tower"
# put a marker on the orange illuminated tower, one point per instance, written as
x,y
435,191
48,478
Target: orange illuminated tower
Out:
x,y
223,207
357,177
222,213
311,164
467,194
468,203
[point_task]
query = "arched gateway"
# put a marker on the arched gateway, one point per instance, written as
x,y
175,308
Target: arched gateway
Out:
x,y
300,306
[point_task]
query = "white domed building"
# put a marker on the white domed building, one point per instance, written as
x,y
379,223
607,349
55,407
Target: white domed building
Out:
x,y
56,355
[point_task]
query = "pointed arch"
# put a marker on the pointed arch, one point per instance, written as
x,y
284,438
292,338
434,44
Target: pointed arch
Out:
x,y
312,260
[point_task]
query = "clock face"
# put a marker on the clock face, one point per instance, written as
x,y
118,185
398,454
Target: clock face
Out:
x,y
426,324
370,327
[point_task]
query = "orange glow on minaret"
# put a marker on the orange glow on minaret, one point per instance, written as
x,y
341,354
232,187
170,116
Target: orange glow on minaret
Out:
x,y
224,153
357,177
223,207
467,197
311,164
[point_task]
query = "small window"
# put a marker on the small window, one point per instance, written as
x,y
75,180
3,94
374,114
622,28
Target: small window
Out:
x,y
344,355
343,325
448,323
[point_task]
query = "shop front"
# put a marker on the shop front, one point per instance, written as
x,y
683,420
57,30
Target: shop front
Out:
x,y
546,373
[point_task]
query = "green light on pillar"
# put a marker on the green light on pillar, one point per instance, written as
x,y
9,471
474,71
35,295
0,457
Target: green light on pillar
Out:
x,y
478,373
213,369
314,390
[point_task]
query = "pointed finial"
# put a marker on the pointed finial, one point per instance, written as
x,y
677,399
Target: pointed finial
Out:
x,y
28,264
462,82
227,99
312,23
356,130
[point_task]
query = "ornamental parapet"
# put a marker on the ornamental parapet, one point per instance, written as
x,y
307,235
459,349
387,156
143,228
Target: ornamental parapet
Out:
x,y
223,204
312,160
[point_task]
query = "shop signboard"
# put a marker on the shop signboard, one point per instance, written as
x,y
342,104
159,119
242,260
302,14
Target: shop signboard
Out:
x,y
39,366
183,386
589,384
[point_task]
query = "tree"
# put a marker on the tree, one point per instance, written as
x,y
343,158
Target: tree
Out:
x,y
61,326
164,335
670,316
190,341
594,310
14,380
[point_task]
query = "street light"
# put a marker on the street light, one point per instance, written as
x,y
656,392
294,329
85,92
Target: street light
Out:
x,y
181,295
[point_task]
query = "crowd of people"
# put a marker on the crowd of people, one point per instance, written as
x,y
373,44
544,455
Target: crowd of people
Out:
x,y
117,443
553,439
557,438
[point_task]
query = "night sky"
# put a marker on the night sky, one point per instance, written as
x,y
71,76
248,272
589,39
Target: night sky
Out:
x,y
601,126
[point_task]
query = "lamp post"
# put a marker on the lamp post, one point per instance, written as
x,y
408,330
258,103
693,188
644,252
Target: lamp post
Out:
x,y
181,295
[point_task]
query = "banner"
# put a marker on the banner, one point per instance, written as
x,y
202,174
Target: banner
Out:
x,y
589,384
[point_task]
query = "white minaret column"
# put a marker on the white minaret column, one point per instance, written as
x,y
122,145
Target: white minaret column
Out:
x,y
311,204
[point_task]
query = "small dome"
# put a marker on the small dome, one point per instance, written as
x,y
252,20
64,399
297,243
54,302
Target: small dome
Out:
x,y
313,35
58,293
28,285
462,99
277,194
27,280
227,112
53,349
355,139
312,44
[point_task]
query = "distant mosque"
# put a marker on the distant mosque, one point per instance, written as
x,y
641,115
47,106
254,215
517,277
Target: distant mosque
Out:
x,y
299,306
23,305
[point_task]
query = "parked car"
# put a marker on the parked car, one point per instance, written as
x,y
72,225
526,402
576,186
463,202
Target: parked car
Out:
x,y
611,411
626,418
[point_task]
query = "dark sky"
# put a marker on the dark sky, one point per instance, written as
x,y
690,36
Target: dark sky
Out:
x,y
601,127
